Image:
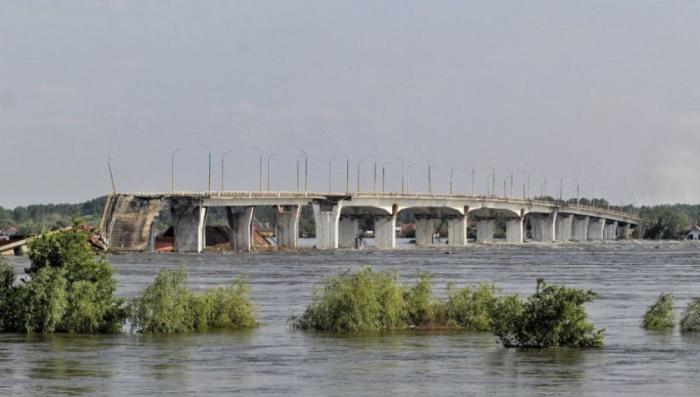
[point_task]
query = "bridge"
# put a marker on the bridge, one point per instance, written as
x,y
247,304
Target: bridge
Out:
x,y
128,219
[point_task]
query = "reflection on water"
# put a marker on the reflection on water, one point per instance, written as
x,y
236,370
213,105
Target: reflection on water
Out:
x,y
277,360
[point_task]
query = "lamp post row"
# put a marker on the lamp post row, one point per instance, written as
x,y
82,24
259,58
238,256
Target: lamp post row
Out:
x,y
405,174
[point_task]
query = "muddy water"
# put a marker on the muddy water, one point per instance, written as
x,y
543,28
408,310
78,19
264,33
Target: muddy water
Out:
x,y
276,360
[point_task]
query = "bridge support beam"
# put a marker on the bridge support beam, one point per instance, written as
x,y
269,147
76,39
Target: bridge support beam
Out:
x,y
240,221
485,229
385,231
188,227
595,228
326,216
457,231
543,226
514,230
425,230
610,231
579,228
348,232
563,227
287,219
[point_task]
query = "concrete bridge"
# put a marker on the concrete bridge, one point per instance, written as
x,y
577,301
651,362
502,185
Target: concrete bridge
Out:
x,y
128,218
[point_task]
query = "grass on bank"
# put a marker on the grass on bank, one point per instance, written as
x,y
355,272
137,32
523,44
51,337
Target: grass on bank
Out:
x,y
169,306
660,314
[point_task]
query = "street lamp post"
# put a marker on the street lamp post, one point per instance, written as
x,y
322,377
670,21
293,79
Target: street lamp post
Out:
x,y
209,179
492,176
330,163
452,170
111,176
374,179
347,172
473,176
403,174
358,173
430,177
511,183
172,169
408,173
260,168
223,157
305,157
384,175
578,191
269,157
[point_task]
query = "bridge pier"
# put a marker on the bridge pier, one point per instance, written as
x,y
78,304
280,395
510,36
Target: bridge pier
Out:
x,y
457,231
514,230
326,216
543,226
595,228
624,231
579,228
348,231
188,226
610,231
425,230
485,229
385,231
563,226
287,219
240,221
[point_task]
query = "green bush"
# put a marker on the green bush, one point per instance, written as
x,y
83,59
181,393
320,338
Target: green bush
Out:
x,y
660,314
690,319
69,289
553,316
168,306
372,301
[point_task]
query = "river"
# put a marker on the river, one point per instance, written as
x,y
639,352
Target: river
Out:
x,y
275,360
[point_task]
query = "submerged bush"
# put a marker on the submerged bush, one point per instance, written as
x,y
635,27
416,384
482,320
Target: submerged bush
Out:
x,y
552,316
660,314
690,319
69,289
372,301
168,306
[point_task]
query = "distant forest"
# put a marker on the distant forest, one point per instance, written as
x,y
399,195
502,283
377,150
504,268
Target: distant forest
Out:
x,y
658,222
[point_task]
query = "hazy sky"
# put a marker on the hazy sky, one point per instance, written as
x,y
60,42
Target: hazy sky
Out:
x,y
604,92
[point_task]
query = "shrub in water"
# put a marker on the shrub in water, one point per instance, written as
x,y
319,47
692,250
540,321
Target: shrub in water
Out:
x,y
170,306
660,314
69,289
370,301
553,316
690,319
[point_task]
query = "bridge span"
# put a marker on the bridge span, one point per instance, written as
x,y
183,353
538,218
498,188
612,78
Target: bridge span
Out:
x,y
128,219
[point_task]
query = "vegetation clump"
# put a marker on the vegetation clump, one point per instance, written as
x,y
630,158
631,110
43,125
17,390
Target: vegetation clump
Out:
x,y
553,316
374,301
690,319
169,306
69,289
660,314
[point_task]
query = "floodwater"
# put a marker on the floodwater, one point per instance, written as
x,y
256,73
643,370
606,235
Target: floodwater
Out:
x,y
274,360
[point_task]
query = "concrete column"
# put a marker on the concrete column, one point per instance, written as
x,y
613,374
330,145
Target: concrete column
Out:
x,y
202,229
514,230
543,226
610,231
240,221
348,232
624,231
457,231
425,228
563,227
188,225
595,228
287,219
385,231
485,229
326,216
579,228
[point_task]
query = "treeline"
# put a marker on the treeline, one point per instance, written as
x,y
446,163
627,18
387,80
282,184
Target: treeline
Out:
x,y
37,217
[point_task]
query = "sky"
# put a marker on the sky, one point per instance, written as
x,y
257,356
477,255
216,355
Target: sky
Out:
x,y
603,95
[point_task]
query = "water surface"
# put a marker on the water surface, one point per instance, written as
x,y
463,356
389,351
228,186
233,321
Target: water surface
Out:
x,y
274,360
